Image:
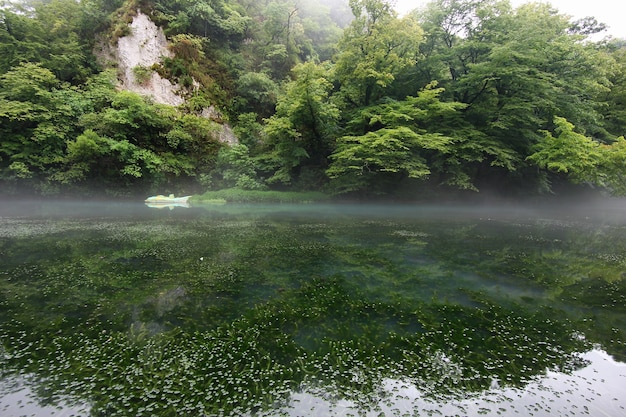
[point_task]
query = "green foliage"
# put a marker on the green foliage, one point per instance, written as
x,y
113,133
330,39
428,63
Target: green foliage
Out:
x,y
569,152
19,169
154,142
130,116
237,169
613,166
411,139
257,92
58,134
287,151
614,105
282,34
57,34
83,157
35,120
516,70
581,158
188,47
207,19
384,151
522,86
315,91
248,130
142,74
29,82
21,38
374,49
301,131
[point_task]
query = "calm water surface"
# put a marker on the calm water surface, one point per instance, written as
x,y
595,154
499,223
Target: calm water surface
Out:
x,y
124,310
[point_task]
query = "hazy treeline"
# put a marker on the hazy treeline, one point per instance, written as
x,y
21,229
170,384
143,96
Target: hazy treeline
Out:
x,y
347,98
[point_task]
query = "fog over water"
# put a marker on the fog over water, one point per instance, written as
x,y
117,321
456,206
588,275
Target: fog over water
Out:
x,y
584,206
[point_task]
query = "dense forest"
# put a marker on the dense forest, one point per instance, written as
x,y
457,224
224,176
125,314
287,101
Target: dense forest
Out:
x,y
342,97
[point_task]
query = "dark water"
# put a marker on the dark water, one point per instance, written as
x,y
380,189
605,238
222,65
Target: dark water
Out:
x,y
125,310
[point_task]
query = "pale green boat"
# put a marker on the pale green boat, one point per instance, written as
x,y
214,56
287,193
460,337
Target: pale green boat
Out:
x,y
162,201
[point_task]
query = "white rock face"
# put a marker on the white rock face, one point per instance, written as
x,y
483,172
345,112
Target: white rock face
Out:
x,y
225,134
145,46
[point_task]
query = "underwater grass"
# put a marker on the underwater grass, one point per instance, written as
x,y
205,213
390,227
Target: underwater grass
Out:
x,y
257,360
236,195
229,315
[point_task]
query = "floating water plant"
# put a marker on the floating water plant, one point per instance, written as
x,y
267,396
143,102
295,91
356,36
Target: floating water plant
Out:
x,y
220,314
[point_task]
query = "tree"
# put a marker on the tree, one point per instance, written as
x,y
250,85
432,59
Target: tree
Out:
x,y
22,39
582,159
365,162
321,29
375,48
613,166
69,51
613,103
249,131
302,130
52,33
414,138
257,92
134,118
516,70
237,169
84,159
460,93
33,133
216,19
568,152
459,34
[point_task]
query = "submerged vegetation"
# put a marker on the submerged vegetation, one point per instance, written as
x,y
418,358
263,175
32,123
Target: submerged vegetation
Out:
x,y
235,195
220,311
343,97
262,309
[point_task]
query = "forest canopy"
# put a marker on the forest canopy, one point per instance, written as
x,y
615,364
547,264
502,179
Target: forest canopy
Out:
x,y
346,97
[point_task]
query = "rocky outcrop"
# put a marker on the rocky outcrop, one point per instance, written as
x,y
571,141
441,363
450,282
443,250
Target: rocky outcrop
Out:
x,y
134,56
226,134
136,53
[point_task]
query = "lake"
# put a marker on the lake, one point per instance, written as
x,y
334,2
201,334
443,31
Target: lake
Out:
x,y
119,309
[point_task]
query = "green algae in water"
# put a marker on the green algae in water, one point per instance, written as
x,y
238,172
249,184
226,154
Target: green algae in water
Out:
x,y
209,313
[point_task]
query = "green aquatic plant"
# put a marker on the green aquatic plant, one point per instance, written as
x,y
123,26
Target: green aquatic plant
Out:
x,y
263,356
192,313
236,195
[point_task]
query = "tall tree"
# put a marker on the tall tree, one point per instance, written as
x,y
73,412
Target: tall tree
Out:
x,y
582,159
459,34
375,48
515,69
34,121
614,102
416,138
301,132
22,39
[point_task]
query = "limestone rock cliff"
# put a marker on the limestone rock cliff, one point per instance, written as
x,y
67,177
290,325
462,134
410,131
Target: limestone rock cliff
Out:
x,y
135,54
145,46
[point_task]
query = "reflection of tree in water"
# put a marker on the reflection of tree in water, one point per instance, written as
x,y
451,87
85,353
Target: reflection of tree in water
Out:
x,y
578,265
159,320
448,351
